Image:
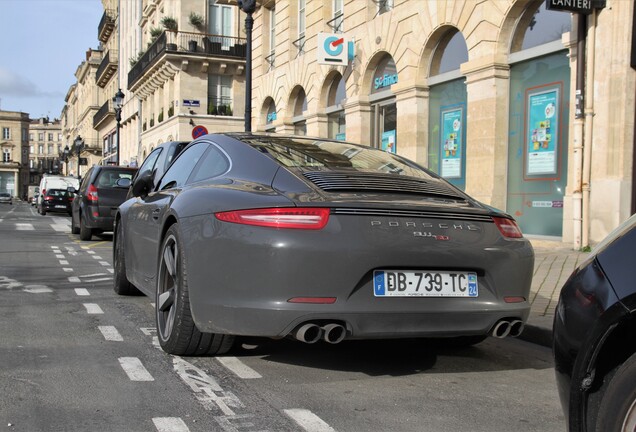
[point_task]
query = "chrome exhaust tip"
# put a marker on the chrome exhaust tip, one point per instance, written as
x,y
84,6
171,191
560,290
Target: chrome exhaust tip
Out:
x,y
334,333
308,333
501,329
516,328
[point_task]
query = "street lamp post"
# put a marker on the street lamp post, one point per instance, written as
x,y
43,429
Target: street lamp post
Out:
x,y
65,155
118,102
79,146
248,6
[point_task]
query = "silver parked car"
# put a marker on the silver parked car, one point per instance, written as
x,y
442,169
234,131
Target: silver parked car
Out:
x,y
5,198
276,236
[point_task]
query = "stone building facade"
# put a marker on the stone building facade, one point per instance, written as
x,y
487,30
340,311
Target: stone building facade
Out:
x,y
14,147
46,145
483,93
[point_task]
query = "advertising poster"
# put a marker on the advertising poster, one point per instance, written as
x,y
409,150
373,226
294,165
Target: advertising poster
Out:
x,y
388,141
543,123
451,142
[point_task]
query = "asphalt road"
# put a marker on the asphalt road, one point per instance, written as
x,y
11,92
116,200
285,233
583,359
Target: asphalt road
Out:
x,y
74,356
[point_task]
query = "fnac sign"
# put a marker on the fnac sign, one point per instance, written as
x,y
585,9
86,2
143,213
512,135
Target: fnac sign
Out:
x,y
334,50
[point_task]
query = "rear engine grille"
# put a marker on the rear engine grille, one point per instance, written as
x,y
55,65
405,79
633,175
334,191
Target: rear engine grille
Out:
x,y
361,182
413,213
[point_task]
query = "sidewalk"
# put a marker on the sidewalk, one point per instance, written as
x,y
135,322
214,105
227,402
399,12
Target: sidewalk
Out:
x,y
553,263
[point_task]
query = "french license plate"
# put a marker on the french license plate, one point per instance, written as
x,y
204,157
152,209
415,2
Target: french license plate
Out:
x,y
60,206
406,283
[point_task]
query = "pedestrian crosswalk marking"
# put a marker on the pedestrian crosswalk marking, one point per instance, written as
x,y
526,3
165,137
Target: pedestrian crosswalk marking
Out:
x,y
24,227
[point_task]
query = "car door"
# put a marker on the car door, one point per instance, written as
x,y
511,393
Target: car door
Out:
x,y
147,214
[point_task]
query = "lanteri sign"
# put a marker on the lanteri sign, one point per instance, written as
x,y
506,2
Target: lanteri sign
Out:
x,y
577,6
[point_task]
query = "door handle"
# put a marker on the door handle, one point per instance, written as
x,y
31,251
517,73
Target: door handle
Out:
x,y
155,214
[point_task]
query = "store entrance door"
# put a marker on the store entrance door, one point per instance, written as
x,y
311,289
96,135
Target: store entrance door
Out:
x,y
385,126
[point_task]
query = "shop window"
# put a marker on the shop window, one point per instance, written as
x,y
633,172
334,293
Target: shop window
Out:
x,y
541,27
270,117
220,95
335,110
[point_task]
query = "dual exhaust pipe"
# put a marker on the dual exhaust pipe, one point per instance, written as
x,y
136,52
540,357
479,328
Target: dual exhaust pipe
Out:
x,y
504,328
310,333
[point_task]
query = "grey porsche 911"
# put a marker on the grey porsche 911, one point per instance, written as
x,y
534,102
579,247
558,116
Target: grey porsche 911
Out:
x,y
319,240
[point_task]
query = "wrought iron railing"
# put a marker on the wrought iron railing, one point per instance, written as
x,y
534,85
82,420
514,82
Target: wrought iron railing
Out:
x,y
186,43
106,26
103,112
107,66
220,106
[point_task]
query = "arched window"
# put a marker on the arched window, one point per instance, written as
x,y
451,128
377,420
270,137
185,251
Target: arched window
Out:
x,y
335,108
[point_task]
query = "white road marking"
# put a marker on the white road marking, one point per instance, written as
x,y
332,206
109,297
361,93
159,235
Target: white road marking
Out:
x,y
71,251
110,333
98,280
104,263
8,283
205,388
111,270
61,221
94,275
63,262
60,228
239,368
1,220
73,279
170,424
134,369
24,227
93,308
55,247
308,420
37,289
90,252
82,292
60,256
66,269
97,257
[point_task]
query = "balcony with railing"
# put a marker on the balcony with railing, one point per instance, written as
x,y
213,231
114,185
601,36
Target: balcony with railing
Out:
x,y
221,106
107,69
106,26
103,113
187,44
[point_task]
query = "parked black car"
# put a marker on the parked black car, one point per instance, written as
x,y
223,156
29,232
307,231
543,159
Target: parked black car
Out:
x,y
158,161
57,200
102,190
594,343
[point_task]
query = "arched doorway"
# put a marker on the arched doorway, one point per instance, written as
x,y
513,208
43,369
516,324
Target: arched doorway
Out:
x,y
383,105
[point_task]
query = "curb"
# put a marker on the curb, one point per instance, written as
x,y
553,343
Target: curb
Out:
x,y
537,335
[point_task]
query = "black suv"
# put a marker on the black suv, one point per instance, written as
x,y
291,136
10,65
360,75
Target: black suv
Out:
x,y
102,190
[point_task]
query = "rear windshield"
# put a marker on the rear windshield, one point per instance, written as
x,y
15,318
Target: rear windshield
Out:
x,y
108,178
307,154
58,193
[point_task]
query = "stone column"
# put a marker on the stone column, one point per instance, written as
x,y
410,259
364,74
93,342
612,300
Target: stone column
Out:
x,y
317,125
488,88
412,123
358,117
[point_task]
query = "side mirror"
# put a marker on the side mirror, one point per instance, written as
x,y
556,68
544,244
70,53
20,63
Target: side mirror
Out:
x,y
123,183
143,184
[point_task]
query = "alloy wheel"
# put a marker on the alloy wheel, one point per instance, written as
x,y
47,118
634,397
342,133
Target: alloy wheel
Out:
x,y
168,287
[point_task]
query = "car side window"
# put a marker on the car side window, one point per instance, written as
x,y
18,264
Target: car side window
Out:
x,y
182,167
213,164
149,163
86,179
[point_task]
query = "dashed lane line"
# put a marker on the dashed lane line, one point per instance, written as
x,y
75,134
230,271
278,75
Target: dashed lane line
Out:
x,y
68,270
82,292
135,369
110,333
93,308
308,420
24,227
104,263
60,256
63,262
170,424
239,368
73,279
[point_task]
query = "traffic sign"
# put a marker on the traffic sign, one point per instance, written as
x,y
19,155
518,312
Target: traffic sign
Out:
x,y
198,131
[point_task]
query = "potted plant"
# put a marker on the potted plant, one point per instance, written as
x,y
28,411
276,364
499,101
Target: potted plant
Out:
x,y
160,116
196,21
144,126
152,120
155,32
171,109
169,23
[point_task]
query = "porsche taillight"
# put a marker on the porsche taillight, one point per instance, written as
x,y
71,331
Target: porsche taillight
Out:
x,y
294,218
508,227
91,193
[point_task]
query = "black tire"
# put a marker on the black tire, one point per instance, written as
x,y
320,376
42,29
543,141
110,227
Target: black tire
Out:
x,y
176,330
618,406
74,228
121,284
84,232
